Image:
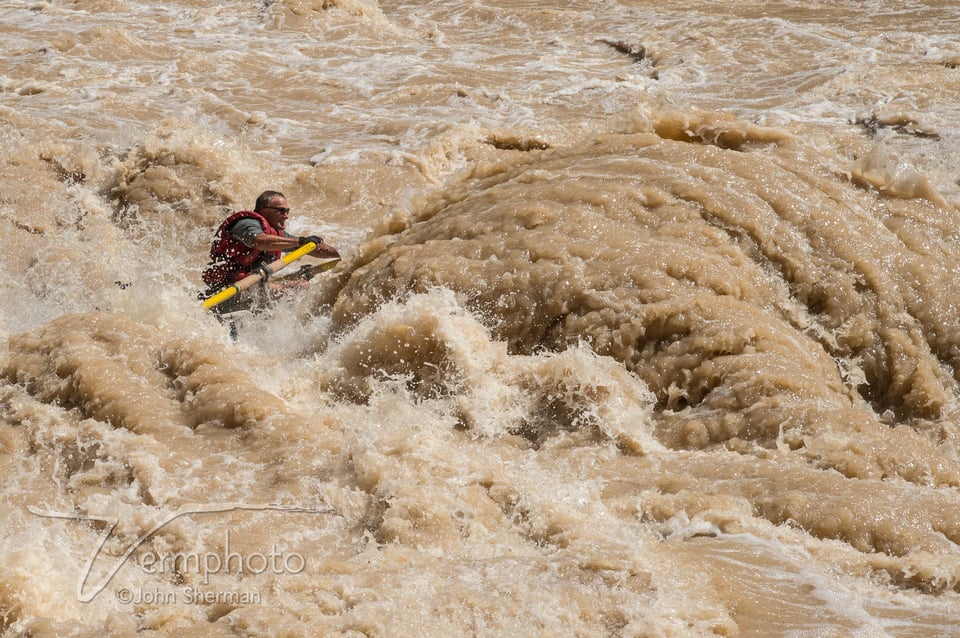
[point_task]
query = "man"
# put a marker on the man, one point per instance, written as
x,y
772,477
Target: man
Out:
x,y
247,240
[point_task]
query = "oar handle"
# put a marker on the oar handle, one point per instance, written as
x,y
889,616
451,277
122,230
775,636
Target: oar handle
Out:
x,y
221,296
274,266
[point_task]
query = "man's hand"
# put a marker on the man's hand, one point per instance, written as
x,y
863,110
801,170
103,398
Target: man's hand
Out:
x,y
322,250
315,239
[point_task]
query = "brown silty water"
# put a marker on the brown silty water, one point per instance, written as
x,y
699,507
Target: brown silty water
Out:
x,y
645,324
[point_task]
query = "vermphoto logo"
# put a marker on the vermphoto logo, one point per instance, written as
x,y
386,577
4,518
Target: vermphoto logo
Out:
x,y
227,561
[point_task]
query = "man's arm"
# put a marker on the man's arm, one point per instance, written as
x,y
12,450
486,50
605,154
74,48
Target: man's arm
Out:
x,y
250,232
264,241
267,242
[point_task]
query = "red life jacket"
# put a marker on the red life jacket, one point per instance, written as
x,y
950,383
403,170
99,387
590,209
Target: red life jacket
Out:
x,y
230,259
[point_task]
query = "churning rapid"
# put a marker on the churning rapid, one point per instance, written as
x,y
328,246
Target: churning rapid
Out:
x,y
648,321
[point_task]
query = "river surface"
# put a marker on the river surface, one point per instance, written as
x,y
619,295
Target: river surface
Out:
x,y
647,322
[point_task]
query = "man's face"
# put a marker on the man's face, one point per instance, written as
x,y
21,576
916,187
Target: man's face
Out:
x,y
276,213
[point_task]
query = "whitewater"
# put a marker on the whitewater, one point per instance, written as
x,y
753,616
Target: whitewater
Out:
x,y
646,323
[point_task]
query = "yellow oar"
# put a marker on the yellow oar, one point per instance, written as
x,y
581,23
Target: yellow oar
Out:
x,y
274,266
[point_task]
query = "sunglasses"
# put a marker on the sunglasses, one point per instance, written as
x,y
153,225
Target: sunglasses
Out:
x,y
282,211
